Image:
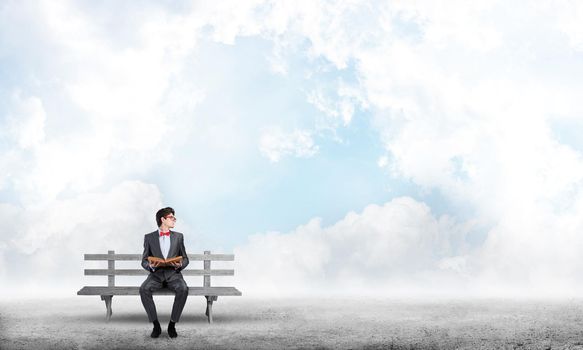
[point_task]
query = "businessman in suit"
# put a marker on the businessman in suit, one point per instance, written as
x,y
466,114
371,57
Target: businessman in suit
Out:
x,y
164,243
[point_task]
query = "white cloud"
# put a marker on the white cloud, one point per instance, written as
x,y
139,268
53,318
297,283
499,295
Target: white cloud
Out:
x,y
482,137
4,270
383,161
93,219
463,97
569,21
385,248
23,127
464,100
458,264
275,144
53,237
113,111
26,124
471,25
339,108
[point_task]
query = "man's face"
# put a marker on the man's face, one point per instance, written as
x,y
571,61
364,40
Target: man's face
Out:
x,y
169,220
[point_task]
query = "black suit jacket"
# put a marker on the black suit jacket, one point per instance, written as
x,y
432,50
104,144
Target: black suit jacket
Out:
x,y
152,248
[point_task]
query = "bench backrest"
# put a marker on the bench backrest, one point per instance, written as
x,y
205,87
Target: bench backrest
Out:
x,y
111,271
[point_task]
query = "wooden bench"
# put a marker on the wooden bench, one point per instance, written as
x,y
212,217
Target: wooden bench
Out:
x,y
210,293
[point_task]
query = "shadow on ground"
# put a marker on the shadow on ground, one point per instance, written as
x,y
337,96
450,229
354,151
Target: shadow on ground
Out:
x,y
141,318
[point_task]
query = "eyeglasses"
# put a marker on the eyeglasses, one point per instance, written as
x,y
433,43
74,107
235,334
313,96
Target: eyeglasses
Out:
x,y
170,217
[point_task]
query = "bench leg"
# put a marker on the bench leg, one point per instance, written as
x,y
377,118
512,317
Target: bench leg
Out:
x,y
209,306
107,299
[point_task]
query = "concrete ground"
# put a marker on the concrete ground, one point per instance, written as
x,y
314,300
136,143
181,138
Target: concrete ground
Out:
x,y
78,322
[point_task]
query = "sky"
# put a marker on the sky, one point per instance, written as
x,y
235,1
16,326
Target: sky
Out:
x,y
349,147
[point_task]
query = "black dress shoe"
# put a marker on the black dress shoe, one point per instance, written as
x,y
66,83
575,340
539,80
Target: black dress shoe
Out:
x,y
172,331
156,331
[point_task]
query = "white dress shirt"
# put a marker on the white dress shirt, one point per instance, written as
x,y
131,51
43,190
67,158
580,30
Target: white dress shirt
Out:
x,y
164,245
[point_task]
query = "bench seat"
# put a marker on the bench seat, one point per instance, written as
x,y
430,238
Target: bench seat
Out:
x,y
120,290
108,292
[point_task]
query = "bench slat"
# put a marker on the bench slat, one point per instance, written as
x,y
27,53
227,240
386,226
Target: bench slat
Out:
x,y
214,291
195,257
141,272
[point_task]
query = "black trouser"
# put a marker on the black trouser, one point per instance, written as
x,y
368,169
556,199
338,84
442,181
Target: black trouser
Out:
x,y
156,281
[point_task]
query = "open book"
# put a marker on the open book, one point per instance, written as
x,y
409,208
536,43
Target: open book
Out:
x,y
165,262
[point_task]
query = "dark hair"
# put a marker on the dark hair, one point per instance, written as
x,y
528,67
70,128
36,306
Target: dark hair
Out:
x,y
162,213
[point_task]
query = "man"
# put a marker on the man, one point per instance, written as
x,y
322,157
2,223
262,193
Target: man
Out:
x,y
164,244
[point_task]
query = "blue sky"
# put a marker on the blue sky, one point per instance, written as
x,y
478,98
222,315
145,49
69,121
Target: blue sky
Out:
x,y
342,176
430,146
263,195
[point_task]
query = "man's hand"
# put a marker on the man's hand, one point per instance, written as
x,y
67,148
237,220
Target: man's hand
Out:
x,y
177,265
154,264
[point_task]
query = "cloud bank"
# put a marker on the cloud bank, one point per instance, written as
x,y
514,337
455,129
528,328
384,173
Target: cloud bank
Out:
x,y
476,101
466,104
385,249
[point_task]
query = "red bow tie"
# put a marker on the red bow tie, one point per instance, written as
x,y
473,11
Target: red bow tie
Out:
x,y
164,233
